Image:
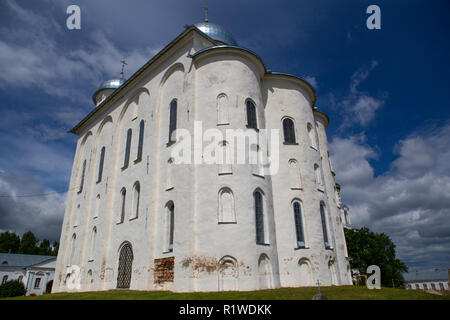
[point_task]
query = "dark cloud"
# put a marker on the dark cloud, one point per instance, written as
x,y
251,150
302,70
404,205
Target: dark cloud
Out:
x,y
42,213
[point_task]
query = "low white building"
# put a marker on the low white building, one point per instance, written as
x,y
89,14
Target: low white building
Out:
x,y
436,284
135,218
36,272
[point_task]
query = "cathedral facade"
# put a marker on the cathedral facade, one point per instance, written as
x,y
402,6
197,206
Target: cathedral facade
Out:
x,y
137,219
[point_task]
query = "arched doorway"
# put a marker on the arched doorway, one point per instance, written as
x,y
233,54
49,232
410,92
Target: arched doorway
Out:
x,y
228,274
265,272
48,288
125,264
305,273
332,269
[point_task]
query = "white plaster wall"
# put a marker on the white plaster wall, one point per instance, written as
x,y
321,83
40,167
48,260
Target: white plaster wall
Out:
x,y
198,236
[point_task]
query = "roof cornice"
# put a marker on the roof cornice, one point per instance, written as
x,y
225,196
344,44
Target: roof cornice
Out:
x,y
322,115
298,80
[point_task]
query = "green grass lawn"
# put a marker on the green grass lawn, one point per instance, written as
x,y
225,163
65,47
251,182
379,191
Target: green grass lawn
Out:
x,y
332,293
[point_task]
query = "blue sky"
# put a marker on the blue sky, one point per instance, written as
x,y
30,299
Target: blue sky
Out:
x,y
386,92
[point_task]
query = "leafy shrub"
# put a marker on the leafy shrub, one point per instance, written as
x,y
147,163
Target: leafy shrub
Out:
x,y
12,288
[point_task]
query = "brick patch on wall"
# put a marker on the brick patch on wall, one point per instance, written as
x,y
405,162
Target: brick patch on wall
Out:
x,y
164,270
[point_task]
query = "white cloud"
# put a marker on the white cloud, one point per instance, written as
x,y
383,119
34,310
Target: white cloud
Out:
x,y
39,55
359,107
410,202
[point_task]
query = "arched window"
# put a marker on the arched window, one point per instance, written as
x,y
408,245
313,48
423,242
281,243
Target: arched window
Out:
x,y
228,274
77,216
97,206
226,206
222,109
265,272
123,195
225,158
289,130
72,249
89,278
170,212
136,198
141,140
259,218
318,176
93,242
83,171
299,230
100,165
294,175
257,160
251,115
324,226
169,173
312,136
125,266
173,119
127,149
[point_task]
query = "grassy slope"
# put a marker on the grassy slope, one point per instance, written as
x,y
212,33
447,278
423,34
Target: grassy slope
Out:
x,y
332,293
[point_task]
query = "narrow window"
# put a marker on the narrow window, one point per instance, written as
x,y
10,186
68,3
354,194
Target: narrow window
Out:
x,y
127,149
299,225
259,217
222,109
318,176
141,140
312,136
122,207
93,241
226,206
5,278
441,286
251,115
288,130
83,171
225,158
77,216
324,227
37,283
169,173
72,249
425,286
294,175
97,206
100,165
170,225
257,160
136,198
173,119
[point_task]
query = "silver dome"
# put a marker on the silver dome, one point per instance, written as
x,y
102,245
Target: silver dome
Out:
x,y
216,32
109,84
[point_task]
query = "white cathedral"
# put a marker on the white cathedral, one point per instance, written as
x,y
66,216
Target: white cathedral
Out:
x,y
136,219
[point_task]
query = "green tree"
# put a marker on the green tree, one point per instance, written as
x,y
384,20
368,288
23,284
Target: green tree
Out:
x,y
367,248
45,248
55,248
9,242
12,288
28,244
